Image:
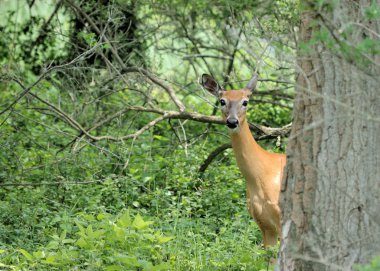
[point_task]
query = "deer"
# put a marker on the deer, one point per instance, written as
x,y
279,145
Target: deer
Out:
x,y
261,169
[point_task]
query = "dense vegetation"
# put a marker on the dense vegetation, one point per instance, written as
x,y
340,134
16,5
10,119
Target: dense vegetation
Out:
x,y
75,195
90,177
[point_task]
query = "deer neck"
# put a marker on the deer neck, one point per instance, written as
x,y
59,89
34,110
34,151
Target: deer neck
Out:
x,y
249,155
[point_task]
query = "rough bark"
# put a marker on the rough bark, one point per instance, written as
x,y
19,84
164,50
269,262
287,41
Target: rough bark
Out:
x,y
331,191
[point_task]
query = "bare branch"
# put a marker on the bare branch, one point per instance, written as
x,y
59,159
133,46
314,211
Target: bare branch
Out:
x,y
187,57
160,83
267,131
152,77
50,183
273,132
45,28
134,135
42,76
212,156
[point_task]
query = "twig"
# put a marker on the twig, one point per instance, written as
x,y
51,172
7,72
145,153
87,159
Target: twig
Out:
x,y
269,132
186,57
42,76
152,77
158,82
44,29
212,156
49,183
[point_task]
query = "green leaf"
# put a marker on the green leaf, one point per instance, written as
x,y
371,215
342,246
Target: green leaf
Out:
x,y
140,224
63,235
68,241
150,237
82,243
102,216
50,260
53,245
164,239
10,267
96,234
128,260
39,254
119,232
26,254
114,268
125,220
159,267
373,12
81,228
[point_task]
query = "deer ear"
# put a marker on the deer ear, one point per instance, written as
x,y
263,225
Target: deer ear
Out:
x,y
252,83
210,84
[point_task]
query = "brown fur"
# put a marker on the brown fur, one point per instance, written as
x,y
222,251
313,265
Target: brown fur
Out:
x,y
262,170
263,173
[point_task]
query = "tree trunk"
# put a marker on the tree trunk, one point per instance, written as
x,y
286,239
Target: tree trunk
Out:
x,y
330,195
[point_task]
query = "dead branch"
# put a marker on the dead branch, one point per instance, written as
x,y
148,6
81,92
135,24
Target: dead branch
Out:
x,y
187,57
146,73
45,28
41,77
50,183
212,156
273,132
158,82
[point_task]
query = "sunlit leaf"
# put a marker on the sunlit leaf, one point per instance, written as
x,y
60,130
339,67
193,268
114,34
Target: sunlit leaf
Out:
x,y
139,222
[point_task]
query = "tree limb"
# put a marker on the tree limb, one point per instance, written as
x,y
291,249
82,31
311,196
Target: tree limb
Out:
x,y
49,183
158,82
44,29
212,156
152,77
41,77
165,114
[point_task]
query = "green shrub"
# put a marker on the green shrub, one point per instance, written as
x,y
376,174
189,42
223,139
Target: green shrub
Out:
x,y
102,242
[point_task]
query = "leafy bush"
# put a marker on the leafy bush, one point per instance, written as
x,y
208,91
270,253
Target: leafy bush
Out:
x,y
53,179
102,242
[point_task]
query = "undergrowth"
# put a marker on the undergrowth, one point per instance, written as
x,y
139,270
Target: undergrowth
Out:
x,y
164,221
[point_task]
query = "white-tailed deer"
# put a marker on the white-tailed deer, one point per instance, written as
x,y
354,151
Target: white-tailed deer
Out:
x,y
261,169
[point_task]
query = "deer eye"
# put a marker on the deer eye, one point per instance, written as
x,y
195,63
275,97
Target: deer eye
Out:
x,y
245,103
222,102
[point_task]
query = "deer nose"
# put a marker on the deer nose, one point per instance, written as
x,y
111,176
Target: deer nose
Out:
x,y
232,123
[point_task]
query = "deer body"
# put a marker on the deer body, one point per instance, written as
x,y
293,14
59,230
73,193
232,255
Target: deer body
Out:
x,y
261,169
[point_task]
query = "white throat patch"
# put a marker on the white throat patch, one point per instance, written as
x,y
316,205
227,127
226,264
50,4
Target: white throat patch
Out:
x,y
234,130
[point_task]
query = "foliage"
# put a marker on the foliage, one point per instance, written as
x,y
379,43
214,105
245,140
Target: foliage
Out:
x,y
373,266
210,226
343,39
64,196
101,242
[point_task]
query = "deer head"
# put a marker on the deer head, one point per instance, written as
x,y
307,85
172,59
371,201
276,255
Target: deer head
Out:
x,y
233,103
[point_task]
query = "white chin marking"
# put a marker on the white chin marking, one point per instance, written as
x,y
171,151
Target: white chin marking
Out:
x,y
235,130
